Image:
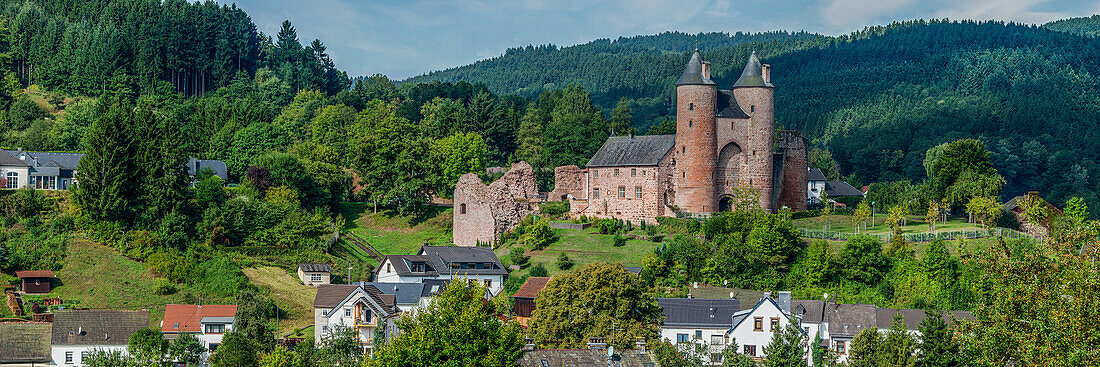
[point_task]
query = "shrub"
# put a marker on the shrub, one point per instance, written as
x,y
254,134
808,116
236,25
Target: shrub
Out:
x,y
651,230
608,226
25,202
164,287
642,225
539,235
539,271
564,262
679,225
619,241
518,256
658,238
554,209
627,226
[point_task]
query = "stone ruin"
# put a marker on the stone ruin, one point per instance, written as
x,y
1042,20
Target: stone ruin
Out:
x,y
482,212
568,181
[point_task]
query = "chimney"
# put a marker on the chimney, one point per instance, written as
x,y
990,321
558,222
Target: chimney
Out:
x,y
596,343
706,70
767,71
639,345
785,300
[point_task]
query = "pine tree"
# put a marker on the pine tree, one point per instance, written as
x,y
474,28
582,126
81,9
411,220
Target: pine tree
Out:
x,y
936,347
107,177
898,348
787,349
864,351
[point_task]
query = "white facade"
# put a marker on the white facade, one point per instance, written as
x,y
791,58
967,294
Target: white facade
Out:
x,y
755,327
15,176
73,355
387,273
358,311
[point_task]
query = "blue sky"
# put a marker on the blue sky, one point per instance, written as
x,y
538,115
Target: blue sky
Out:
x,y
408,38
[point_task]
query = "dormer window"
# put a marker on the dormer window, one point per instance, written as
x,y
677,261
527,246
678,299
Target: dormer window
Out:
x,y
417,267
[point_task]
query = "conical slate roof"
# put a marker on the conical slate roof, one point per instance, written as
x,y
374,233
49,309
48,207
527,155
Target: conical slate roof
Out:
x,y
753,76
693,73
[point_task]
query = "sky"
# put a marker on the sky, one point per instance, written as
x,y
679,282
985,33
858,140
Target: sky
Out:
x,y
405,38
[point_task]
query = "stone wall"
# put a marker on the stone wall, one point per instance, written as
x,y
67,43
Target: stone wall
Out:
x,y
757,172
568,180
482,212
795,175
631,193
696,154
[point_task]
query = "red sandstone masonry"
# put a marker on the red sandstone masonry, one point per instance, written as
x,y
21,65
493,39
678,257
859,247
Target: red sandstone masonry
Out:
x,y
697,156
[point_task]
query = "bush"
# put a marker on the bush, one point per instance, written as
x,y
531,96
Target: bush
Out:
x,y
651,230
657,238
608,226
554,209
564,262
539,235
642,225
24,203
619,241
164,287
627,226
518,256
539,271
679,225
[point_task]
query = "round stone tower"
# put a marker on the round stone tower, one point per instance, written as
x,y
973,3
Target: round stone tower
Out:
x,y
756,95
696,154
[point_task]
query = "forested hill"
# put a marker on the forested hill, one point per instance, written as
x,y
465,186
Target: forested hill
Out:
x,y
878,99
1085,26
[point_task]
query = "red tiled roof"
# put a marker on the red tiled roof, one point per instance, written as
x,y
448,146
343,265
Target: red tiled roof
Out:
x,y
531,287
34,274
185,318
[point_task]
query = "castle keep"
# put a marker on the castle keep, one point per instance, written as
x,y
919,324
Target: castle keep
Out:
x,y
725,139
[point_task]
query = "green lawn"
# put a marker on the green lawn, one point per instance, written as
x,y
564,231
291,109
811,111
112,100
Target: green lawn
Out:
x,y
394,234
293,297
583,247
915,224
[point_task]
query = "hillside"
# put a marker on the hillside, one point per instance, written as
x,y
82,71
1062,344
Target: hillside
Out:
x,y
1084,26
878,99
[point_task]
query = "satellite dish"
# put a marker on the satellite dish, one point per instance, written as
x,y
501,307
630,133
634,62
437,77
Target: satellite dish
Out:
x,y
610,351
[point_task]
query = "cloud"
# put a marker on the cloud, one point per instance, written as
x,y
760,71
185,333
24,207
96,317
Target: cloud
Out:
x,y
1025,11
852,14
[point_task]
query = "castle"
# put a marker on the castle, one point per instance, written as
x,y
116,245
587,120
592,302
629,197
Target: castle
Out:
x,y
724,139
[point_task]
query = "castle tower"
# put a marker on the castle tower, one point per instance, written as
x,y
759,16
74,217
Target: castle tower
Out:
x,y
695,153
756,95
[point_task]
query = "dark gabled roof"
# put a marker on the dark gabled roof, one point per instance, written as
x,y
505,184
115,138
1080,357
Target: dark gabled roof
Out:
x,y
583,358
7,159
913,318
753,75
315,268
434,286
643,150
815,174
402,263
97,327
847,320
330,295
841,188
442,256
218,167
25,342
531,287
693,72
728,106
634,269
809,310
404,293
699,312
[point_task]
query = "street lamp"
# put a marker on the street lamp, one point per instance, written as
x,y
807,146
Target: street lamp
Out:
x,y
277,316
872,214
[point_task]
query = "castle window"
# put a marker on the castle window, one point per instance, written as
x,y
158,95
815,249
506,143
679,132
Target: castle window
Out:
x,y
690,123
616,172
633,172
622,192
691,107
752,108
595,174
683,149
596,193
637,192
683,174
462,208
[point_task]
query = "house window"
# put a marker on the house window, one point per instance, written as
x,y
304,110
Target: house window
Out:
x,y
757,323
417,267
681,338
596,193
389,268
13,180
683,149
633,172
840,348
698,334
324,328
683,174
462,209
215,329
752,108
69,357
595,174
488,283
347,312
775,324
83,356
717,340
637,192
750,350
622,192
616,172
315,278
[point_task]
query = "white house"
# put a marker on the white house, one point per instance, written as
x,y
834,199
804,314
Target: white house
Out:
x,y
208,323
15,172
444,262
361,307
815,182
77,333
315,274
699,321
753,328
408,297
57,171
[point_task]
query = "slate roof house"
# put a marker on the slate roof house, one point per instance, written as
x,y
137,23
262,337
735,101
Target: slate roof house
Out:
x,y
702,321
35,281
443,263
57,171
77,333
315,274
596,355
24,344
361,307
409,297
208,323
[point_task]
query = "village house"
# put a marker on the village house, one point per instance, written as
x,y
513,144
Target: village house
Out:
x,y
753,328
524,304
25,344
57,171
315,274
208,323
35,281
478,264
700,321
410,297
362,307
77,333
597,354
